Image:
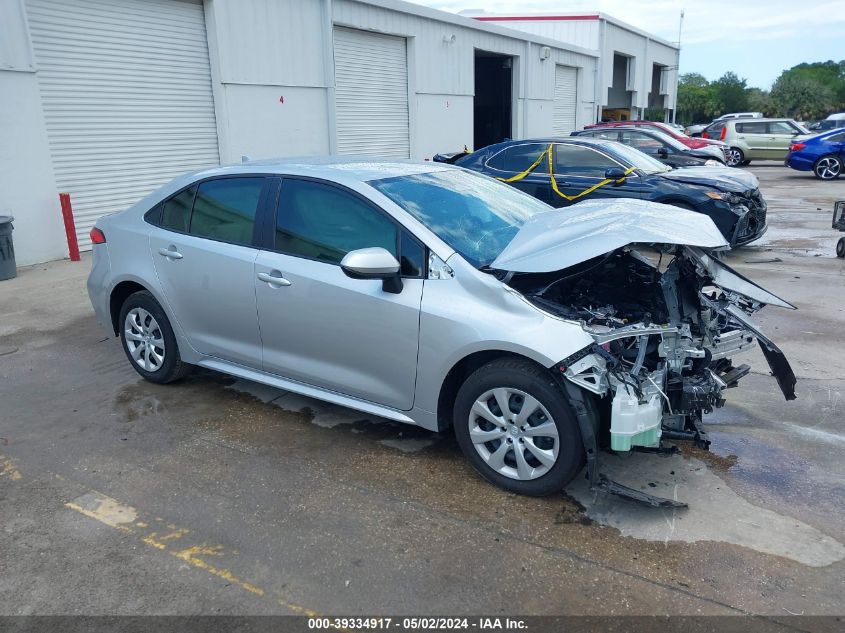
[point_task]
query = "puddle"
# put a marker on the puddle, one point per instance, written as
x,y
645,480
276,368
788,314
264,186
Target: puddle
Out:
x,y
716,512
402,437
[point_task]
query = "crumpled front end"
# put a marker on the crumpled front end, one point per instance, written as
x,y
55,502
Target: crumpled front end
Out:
x,y
666,324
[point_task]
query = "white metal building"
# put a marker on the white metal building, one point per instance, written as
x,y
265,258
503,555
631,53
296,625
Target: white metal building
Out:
x,y
636,69
108,99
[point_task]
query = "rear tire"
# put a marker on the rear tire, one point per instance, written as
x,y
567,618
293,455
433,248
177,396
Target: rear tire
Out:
x,y
533,447
828,167
148,339
734,157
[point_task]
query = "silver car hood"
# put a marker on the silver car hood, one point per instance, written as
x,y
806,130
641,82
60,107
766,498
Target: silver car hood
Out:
x,y
561,238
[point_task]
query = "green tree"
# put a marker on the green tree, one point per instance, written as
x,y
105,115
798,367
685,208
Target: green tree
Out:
x,y
695,99
730,93
802,97
760,101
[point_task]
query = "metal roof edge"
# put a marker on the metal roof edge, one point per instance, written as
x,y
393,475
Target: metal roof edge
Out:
x,y
467,22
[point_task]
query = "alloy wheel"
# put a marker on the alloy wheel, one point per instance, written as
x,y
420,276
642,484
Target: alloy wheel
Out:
x,y
734,157
144,339
828,168
514,433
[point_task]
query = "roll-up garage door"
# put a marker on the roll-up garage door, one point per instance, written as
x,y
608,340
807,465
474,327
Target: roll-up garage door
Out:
x,y
371,95
566,93
126,91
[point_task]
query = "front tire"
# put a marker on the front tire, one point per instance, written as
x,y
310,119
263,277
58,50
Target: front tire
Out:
x,y
828,167
148,340
517,429
840,247
734,157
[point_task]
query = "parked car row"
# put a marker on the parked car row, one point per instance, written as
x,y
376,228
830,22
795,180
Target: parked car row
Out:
x,y
747,136
562,171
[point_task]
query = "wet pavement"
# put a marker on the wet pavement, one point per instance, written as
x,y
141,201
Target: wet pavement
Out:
x,y
217,495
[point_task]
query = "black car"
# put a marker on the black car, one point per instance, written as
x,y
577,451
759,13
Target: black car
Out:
x,y
586,168
658,145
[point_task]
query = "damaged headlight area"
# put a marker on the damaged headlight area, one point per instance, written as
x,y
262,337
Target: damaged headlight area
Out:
x,y
666,323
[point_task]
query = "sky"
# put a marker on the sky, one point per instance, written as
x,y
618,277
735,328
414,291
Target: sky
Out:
x,y
756,39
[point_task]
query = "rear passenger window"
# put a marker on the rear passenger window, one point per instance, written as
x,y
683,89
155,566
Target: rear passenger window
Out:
x,y
751,127
323,222
176,212
225,209
517,158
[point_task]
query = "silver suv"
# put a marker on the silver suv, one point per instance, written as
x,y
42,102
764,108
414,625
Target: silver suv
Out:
x,y
435,296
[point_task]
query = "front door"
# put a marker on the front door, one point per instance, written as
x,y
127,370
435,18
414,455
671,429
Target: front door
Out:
x,y
781,135
204,258
578,168
323,328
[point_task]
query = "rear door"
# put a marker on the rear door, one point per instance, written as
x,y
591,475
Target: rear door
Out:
x,y
578,168
323,328
204,257
754,137
514,160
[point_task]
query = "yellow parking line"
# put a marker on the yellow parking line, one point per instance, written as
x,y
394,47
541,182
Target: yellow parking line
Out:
x,y
122,517
7,468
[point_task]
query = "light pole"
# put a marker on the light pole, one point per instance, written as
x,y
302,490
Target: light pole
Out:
x,y
678,67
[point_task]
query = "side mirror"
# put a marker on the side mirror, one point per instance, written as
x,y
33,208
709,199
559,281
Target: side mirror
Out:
x,y
373,263
615,173
662,152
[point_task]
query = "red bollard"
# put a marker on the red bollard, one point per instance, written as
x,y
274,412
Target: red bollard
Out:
x,y
70,227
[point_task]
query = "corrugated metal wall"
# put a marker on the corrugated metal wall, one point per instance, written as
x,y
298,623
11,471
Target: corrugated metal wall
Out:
x,y
371,74
126,91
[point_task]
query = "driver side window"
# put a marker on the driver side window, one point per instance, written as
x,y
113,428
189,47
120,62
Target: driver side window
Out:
x,y
322,222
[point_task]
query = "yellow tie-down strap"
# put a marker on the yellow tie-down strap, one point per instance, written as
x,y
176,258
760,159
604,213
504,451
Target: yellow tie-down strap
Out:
x,y
547,153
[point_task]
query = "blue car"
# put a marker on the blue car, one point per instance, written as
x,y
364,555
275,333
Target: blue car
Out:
x,y
824,154
587,168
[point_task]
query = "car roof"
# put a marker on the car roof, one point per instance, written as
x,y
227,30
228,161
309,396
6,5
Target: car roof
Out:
x,y
360,168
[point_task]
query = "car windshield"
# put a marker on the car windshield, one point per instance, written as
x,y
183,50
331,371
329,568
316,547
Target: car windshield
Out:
x,y
635,158
473,214
670,140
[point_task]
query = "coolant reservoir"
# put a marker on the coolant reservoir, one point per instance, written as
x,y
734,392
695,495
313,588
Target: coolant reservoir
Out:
x,y
633,423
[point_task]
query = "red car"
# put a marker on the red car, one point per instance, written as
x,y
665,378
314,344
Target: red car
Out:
x,y
692,143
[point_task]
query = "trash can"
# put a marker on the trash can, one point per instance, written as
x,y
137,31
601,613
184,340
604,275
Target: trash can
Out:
x,y
7,249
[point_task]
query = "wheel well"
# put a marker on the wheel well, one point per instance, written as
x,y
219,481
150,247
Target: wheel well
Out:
x,y
456,377
120,293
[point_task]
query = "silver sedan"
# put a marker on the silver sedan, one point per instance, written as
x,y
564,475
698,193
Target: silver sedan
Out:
x,y
429,295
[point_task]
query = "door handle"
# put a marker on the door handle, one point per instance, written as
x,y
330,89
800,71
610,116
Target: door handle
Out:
x,y
170,253
274,278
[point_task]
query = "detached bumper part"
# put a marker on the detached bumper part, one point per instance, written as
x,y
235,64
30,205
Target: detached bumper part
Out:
x,y
583,413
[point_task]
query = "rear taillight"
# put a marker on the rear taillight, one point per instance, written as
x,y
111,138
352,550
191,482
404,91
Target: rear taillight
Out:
x,y
794,147
97,236
724,131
